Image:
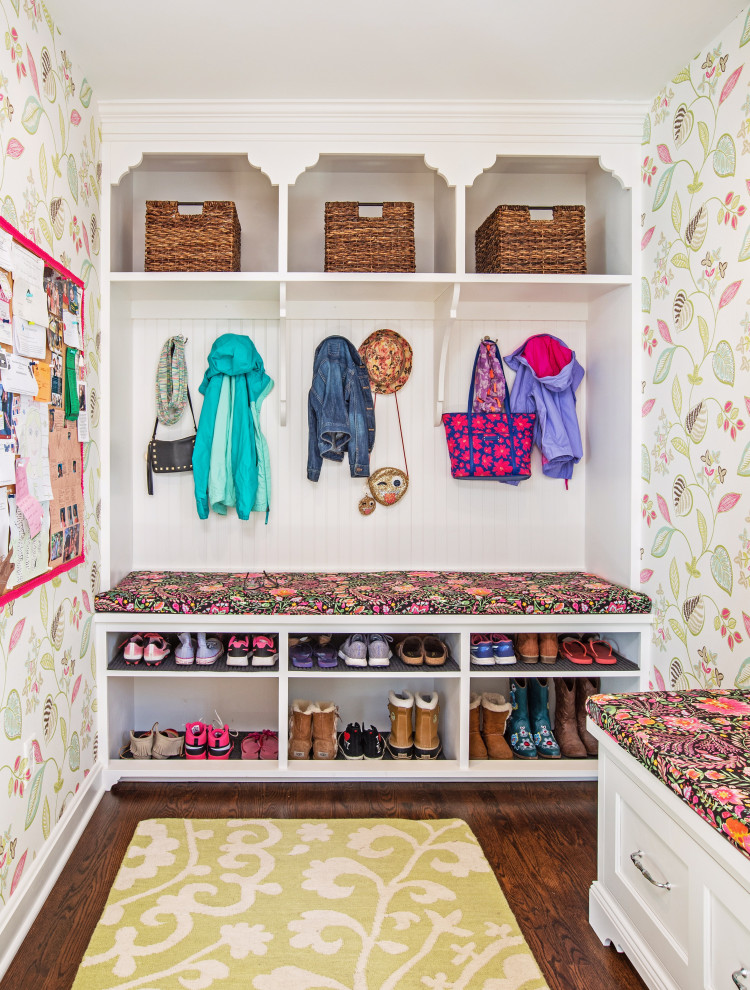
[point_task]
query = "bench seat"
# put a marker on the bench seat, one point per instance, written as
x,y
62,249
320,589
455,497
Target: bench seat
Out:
x,y
697,742
373,593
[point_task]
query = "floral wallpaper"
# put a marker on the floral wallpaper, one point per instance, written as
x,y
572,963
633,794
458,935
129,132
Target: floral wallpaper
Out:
x,y
49,189
695,457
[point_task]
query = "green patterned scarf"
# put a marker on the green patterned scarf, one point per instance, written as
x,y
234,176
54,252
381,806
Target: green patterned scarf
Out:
x,y
171,381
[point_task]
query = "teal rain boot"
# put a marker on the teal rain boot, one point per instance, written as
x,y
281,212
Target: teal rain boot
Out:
x,y
518,729
546,744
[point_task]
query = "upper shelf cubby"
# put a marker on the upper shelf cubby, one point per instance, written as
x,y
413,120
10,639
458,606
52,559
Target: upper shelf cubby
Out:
x,y
373,179
559,181
196,178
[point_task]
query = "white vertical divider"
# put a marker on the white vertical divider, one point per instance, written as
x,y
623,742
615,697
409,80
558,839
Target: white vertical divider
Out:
x,y
284,700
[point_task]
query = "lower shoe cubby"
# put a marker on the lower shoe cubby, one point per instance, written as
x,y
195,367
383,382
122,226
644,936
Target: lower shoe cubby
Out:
x,y
365,701
422,653
138,700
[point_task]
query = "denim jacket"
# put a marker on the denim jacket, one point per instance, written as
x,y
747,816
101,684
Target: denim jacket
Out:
x,y
340,410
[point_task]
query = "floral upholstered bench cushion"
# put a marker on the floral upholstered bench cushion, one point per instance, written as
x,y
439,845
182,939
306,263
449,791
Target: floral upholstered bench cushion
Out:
x,y
697,742
375,593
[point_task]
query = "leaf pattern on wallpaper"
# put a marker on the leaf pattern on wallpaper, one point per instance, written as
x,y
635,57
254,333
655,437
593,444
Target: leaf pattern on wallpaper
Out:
x,y
49,188
697,374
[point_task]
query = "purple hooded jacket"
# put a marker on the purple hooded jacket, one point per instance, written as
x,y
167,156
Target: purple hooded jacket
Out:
x,y
547,376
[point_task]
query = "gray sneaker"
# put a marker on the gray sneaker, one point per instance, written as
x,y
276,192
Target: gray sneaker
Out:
x,y
378,650
353,650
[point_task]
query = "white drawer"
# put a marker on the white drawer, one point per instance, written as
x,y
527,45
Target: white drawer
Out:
x,y
727,935
645,850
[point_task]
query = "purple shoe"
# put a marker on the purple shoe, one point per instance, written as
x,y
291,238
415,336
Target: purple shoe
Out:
x,y
326,656
301,655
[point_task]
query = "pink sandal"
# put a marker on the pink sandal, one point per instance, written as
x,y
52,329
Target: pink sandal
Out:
x,y
601,651
250,747
269,745
157,649
575,651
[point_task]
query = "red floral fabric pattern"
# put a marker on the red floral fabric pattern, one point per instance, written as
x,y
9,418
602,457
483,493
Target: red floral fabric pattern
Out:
x,y
697,742
375,593
488,445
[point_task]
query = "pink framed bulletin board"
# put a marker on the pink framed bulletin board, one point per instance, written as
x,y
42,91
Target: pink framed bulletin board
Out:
x,y
64,273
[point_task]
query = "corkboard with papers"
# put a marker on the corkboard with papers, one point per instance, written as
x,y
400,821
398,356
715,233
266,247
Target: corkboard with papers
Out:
x,y
43,416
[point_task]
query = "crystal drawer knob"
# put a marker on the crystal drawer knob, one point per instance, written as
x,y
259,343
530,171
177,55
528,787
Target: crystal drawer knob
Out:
x,y
738,976
635,858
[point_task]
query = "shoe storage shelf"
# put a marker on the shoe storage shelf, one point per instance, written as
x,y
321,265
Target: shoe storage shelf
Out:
x,y
255,698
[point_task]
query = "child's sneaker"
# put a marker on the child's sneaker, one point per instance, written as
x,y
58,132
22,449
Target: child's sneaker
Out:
x,y
378,650
185,652
353,650
373,744
209,650
481,650
350,742
264,651
219,743
502,647
238,651
196,736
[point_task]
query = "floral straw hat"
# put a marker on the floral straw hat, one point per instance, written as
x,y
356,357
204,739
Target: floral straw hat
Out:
x,y
387,357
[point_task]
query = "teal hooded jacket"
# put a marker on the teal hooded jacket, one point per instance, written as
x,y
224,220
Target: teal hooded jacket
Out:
x,y
230,459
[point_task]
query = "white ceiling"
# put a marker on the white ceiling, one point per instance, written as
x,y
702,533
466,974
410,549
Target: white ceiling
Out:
x,y
386,49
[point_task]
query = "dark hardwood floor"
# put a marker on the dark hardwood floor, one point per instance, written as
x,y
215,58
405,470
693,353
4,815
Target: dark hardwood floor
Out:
x,y
539,838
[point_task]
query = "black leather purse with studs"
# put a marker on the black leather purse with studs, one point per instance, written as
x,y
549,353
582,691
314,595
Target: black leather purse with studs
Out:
x,y
169,456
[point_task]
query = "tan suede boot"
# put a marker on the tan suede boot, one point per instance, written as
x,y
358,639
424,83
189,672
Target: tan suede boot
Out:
x,y
495,712
548,647
400,742
477,749
426,714
566,730
527,647
325,740
585,687
300,729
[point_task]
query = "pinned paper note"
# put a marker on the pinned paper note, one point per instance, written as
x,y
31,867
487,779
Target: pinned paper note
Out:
x,y
6,250
30,301
72,331
32,432
7,462
30,553
19,376
29,339
27,266
43,376
25,501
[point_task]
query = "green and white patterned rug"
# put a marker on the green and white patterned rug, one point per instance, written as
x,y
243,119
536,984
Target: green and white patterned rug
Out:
x,y
269,904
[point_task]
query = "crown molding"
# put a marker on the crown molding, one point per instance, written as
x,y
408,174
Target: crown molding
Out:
x,y
399,120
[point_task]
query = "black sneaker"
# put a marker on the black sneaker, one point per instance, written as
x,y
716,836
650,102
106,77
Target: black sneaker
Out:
x,y
350,742
373,744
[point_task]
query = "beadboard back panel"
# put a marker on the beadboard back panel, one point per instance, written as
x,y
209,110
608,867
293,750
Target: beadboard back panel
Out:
x,y
440,522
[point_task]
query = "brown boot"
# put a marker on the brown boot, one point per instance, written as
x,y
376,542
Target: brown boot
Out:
x,y
324,741
585,687
426,714
400,742
495,712
566,730
527,647
548,647
300,729
477,749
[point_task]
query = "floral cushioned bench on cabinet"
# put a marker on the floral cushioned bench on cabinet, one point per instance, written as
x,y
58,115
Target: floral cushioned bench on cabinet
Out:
x,y
697,742
372,593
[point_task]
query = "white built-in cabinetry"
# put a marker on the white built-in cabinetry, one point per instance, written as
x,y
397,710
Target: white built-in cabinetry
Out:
x,y
671,891
280,164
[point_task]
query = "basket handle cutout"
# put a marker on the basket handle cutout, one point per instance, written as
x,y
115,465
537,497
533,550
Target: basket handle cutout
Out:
x,y
190,212
370,210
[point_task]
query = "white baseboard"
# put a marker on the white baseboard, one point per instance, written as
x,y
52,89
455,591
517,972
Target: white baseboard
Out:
x,y
40,875
612,925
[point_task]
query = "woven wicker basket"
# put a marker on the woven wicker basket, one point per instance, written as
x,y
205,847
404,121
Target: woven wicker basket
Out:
x,y
510,241
369,244
208,241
